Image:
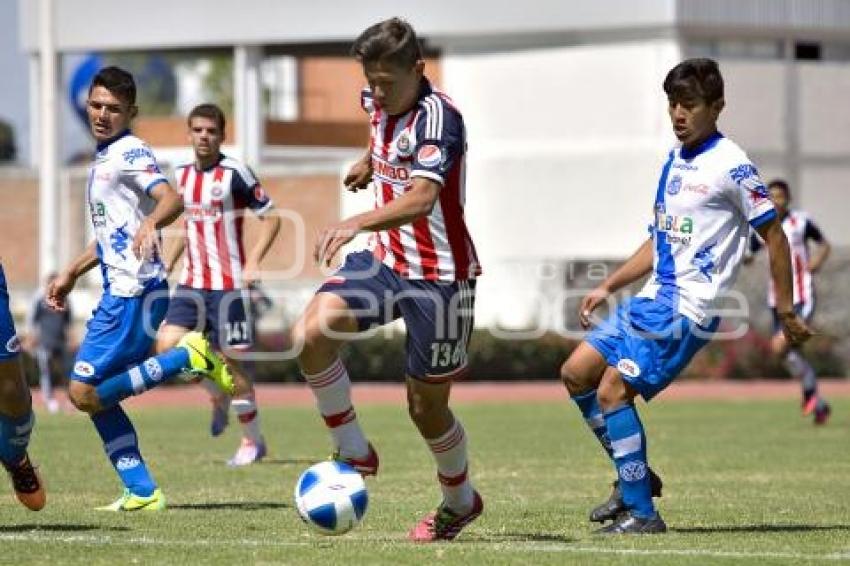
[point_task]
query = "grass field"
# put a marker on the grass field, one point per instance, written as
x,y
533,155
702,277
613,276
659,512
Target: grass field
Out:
x,y
744,483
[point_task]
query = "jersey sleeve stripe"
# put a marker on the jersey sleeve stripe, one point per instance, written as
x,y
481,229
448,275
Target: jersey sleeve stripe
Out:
x,y
265,209
427,175
766,217
155,183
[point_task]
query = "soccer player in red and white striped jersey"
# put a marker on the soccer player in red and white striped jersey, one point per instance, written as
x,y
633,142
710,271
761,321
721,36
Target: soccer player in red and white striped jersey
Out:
x,y
800,230
212,293
422,268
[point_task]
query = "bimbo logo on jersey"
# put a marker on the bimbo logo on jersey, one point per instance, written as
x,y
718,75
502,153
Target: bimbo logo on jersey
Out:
x,y
201,213
389,172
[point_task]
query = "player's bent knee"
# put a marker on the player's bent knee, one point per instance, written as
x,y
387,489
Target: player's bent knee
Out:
x,y
83,397
575,378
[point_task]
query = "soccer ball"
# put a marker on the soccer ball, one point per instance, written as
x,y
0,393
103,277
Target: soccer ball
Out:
x,y
331,497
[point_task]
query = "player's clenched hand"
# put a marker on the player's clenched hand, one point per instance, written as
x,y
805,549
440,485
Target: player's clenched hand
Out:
x,y
332,238
58,290
146,241
794,328
358,176
589,304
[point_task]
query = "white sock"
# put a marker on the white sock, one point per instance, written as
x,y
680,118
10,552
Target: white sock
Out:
x,y
44,381
450,453
332,388
246,410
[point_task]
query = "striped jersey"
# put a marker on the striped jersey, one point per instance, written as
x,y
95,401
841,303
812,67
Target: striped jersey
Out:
x,y
799,230
215,200
707,199
118,194
427,141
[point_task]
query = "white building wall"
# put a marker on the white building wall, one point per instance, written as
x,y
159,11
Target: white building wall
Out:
x,y
565,145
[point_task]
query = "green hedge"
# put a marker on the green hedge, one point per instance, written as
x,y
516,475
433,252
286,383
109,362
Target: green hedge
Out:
x,y
495,359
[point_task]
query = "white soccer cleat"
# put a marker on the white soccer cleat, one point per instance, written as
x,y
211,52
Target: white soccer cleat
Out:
x,y
248,453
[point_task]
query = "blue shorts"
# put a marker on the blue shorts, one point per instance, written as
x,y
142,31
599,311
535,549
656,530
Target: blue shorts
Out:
x,y
120,333
649,343
221,315
806,311
438,315
10,347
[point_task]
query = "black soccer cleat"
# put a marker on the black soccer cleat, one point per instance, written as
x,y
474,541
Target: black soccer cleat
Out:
x,y
611,509
627,524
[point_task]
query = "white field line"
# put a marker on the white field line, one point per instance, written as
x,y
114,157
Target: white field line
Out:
x,y
518,546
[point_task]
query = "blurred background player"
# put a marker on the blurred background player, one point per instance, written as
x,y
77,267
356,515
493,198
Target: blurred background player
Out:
x,y
16,416
212,294
129,199
708,196
47,340
800,230
422,268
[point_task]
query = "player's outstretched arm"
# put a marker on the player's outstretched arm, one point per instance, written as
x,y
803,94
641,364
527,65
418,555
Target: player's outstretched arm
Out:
x,y
269,229
414,204
64,283
173,253
795,330
637,266
169,206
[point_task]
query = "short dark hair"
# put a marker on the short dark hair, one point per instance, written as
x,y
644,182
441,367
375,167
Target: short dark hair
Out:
x,y
392,41
117,81
208,110
695,78
782,185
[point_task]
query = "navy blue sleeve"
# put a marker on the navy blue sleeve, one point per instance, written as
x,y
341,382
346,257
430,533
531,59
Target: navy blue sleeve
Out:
x,y
440,139
755,242
812,232
247,191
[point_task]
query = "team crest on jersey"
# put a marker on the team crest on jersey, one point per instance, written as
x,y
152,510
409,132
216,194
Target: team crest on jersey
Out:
x,y
675,185
403,145
13,345
628,367
259,194
429,155
216,191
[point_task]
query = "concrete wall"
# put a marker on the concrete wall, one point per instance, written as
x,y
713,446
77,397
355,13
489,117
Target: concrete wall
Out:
x,y
565,146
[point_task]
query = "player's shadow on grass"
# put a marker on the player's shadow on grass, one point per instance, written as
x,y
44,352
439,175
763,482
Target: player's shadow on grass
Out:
x,y
57,528
288,461
517,537
230,505
760,529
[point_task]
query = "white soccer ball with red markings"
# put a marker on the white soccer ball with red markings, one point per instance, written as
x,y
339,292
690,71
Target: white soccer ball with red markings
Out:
x,y
331,497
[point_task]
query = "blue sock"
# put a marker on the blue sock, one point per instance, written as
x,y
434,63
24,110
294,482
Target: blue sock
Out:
x,y
589,407
122,448
15,436
628,443
147,375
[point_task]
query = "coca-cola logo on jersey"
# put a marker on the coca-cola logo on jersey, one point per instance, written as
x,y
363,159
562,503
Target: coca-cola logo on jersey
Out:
x,y
201,213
